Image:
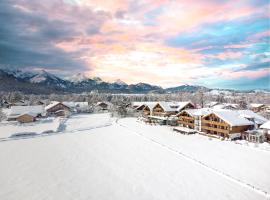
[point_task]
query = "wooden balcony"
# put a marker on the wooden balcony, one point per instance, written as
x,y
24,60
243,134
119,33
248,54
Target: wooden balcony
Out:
x,y
185,118
155,113
214,123
215,129
186,123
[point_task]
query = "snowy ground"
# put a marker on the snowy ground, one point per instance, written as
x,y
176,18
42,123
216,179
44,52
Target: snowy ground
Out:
x,y
12,127
96,158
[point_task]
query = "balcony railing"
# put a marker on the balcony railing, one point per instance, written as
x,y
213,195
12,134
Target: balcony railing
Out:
x,y
215,129
186,117
186,123
214,123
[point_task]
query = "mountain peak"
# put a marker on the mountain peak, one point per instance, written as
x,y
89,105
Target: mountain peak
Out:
x,y
97,79
80,77
119,82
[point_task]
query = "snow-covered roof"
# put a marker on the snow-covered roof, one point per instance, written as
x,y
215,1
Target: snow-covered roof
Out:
x,y
266,125
19,110
140,103
232,117
103,102
211,104
150,105
225,106
248,114
168,106
182,104
256,105
76,104
197,112
52,104
173,106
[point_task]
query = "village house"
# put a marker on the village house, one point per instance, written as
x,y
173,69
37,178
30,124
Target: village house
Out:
x,y
226,123
192,118
103,106
147,108
186,118
25,113
170,108
77,107
26,118
257,107
57,109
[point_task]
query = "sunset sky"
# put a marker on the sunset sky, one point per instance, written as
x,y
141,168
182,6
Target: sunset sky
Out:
x,y
219,43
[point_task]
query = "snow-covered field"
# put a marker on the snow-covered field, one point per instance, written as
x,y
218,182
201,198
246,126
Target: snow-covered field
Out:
x,y
96,157
9,128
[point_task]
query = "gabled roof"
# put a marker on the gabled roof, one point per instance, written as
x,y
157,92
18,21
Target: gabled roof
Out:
x,y
74,104
182,104
103,102
266,125
197,112
173,106
256,105
52,104
231,117
19,110
248,114
167,106
150,105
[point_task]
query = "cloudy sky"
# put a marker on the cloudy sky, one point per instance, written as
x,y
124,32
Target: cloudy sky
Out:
x,y
215,43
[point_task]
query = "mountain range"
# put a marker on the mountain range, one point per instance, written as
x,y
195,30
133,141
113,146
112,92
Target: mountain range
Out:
x,y
44,82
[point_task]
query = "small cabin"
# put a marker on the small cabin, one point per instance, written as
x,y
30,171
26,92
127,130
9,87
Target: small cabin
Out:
x,y
103,106
17,111
54,107
26,118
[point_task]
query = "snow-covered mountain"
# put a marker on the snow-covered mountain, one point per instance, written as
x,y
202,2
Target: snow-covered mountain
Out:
x,y
119,82
80,77
19,74
186,87
45,82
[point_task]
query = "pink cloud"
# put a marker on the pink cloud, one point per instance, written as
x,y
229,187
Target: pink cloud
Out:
x,y
230,74
227,55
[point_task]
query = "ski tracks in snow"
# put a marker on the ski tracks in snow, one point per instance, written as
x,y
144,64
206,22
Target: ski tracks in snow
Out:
x,y
201,164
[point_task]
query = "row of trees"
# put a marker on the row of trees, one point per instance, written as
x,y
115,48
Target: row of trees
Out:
x,y
199,97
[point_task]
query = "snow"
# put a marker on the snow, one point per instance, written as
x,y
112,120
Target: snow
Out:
x,y
80,77
52,104
232,117
9,128
18,110
266,125
87,121
119,82
96,157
